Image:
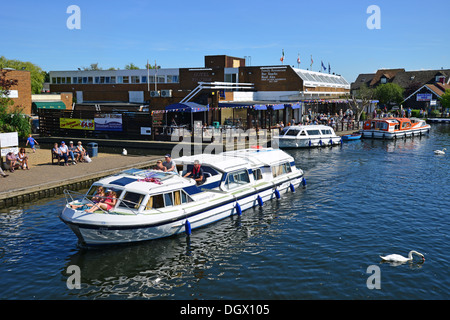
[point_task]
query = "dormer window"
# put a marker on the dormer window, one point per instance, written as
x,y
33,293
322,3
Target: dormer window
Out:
x,y
383,80
440,79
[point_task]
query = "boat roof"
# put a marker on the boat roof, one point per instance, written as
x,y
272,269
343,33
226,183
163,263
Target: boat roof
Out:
x,y
220,161
312,126
143,180
261,156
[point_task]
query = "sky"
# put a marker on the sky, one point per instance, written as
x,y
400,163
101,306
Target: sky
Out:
x,y
178,34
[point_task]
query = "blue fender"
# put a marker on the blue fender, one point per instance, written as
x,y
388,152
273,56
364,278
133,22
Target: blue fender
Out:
x,y
260,201
304,182
277,194
238,209
187,227
291,186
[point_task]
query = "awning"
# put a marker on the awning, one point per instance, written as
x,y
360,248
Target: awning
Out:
x,y
49,105
277,106
260,107
296,106
186,107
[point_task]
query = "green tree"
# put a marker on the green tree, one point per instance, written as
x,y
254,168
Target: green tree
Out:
x,y
36,73
131,66
15,120
361,100
92,67
445,99
389,93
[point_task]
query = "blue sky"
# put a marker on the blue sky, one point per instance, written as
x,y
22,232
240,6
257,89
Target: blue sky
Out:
x,y
413,34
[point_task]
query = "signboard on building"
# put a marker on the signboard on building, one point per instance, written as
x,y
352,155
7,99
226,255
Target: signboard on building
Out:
x,y
424,97
108,122
78,124
9,142
273,74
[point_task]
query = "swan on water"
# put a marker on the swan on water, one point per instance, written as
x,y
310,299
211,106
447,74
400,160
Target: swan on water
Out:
x,y
440,151
124,152
399,258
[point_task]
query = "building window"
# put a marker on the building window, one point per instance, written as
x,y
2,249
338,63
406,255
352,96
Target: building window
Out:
x,y
383,80
75,80
134,79
119,79
144,79
53,80
113,79
126,79
97,80
172,79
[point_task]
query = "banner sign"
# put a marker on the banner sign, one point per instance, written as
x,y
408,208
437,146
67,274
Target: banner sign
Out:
x,y
424,97
108,122
78,124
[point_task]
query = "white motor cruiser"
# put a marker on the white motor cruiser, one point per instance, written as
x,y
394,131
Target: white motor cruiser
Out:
x,y
153,204
307,136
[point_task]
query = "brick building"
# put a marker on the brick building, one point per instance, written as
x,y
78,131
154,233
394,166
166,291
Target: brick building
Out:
x,y
20,93
223,79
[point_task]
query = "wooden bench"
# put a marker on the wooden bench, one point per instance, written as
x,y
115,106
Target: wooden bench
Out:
x,y
55,157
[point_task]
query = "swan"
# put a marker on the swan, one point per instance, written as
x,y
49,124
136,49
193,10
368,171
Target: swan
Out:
x,y
124,152
401,259
440,151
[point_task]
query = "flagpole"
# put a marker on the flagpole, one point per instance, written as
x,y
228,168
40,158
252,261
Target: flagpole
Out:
x,y
155,77
148,77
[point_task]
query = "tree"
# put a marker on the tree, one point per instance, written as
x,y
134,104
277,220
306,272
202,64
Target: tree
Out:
x,y
15,120
361,100
445,99
131,66
37,75
389,93
92,67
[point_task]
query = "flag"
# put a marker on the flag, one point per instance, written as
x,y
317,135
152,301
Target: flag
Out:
x,y
329,68
298,59
282,56
323,66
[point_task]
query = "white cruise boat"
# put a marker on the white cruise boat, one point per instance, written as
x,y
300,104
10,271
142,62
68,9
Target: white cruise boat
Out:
x,y
307,136
152,204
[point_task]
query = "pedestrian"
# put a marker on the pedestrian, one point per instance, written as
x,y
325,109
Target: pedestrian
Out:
x,y
3,174
32,143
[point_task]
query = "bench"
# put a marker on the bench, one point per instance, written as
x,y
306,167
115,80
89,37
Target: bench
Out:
x,y
55,157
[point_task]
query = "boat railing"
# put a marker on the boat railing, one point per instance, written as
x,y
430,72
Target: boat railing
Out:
x,y
69,195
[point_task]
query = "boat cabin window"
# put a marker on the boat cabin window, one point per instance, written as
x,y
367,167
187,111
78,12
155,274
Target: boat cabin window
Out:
x,y
406,125
280,169
382,125
167,199
131,200
326,131
292,132
313,132
303,133
237,179
205,168
257,174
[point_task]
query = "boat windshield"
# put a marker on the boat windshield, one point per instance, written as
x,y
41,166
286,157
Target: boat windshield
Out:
x,y
291,132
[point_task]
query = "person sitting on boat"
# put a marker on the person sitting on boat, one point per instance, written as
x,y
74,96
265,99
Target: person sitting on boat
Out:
x,y
97,198
108,204
197,173
159,166
169,164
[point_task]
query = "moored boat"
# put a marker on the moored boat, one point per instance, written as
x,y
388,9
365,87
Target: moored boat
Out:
x,y
393,128
307,136
353,136
153,204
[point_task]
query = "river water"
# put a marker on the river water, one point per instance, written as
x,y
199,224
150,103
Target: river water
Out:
x,y
364,199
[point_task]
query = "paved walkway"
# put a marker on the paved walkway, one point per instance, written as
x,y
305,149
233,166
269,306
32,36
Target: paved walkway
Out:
x,y
43,175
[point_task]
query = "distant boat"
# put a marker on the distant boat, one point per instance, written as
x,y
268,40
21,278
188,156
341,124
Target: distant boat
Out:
x,y
353,136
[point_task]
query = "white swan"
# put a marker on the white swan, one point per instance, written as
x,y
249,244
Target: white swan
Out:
x,y
124,152
440,151
401,259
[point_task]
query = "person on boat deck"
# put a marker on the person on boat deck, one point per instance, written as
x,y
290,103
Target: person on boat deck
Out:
x,y
197,173
159,166
169,164
97,198
108,204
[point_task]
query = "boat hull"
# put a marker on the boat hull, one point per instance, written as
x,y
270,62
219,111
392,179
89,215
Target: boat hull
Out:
x,y
380,134
287,142
144,228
